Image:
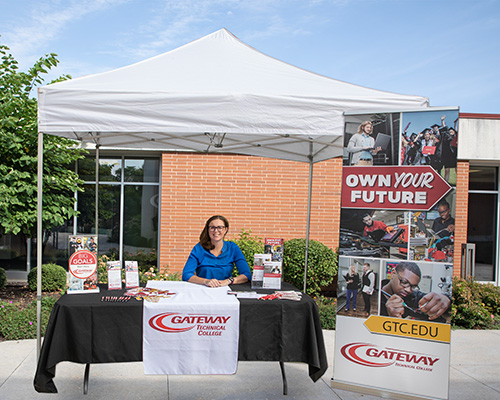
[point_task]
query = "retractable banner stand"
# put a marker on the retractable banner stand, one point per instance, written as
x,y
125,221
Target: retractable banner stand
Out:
x,y
396,254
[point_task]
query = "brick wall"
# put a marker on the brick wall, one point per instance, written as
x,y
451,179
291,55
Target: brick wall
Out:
x,y
266,196
461,210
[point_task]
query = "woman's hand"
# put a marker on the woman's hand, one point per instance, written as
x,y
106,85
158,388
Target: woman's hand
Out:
x,y
213,283
223,282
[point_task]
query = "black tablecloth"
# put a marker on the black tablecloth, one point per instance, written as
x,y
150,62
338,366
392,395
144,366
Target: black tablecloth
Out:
x,y
85,330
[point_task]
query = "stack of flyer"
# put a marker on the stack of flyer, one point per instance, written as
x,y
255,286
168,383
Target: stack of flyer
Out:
x,y
268,267
131,274
114,275
258,269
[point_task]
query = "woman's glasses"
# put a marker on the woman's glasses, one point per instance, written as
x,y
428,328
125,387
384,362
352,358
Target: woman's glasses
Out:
x,y
217,228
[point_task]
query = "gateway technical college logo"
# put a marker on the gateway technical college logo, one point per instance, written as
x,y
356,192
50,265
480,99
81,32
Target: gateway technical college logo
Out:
x,y
370,355
205,324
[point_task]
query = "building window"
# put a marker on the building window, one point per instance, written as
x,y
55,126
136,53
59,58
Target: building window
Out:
x,y
128,214
128,194
482,220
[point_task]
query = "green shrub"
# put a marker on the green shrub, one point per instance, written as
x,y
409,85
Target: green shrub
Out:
x,y
18,324
53,278
327,308
3,278
321,265
249,245
475,305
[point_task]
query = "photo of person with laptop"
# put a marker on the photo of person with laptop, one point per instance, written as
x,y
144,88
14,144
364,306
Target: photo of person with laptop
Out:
x,y
369,141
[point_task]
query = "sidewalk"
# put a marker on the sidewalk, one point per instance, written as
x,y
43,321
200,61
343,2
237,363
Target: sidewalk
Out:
x,y
474,373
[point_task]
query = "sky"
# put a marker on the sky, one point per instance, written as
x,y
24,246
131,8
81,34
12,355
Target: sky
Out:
x,y
446,50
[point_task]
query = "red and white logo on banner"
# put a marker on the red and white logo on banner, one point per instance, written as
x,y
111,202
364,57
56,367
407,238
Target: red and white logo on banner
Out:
x,y
370,355
82,264
391,187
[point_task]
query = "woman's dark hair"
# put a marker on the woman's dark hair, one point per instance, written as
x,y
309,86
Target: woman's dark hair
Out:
x,y
205,241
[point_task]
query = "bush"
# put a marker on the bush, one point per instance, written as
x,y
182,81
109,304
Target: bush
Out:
x,y
17,324
54,278
3,278
475,305
327,308
249,246
321,265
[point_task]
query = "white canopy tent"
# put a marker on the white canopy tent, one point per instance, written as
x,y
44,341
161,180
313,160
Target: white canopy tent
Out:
x,y
215,94
190,97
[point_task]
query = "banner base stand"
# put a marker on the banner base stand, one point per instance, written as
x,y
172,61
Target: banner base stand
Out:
x,y
374,391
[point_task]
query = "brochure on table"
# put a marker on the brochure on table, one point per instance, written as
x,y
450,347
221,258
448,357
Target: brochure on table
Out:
x,y
258,270
82,264
131,274
397,233
268,267
114,275
273,270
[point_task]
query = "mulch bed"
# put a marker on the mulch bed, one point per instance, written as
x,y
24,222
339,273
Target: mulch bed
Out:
x,y
21,295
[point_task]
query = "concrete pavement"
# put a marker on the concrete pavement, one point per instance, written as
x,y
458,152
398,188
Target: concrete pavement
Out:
x,y
474,374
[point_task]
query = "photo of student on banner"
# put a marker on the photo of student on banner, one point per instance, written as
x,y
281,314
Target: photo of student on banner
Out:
x,y
371,139
432,232
417,291
369,233
430,138
357,290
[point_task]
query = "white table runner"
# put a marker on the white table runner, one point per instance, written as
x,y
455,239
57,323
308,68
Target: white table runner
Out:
x,y
194,332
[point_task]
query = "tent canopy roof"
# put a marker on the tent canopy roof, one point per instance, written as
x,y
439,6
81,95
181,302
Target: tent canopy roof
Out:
x,y
214,94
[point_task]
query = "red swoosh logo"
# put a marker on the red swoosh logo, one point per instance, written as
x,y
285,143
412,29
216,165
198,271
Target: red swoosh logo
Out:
x,y
350,351
157,322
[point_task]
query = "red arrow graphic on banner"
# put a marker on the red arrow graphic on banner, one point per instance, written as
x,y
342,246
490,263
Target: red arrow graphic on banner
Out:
x,y
392,187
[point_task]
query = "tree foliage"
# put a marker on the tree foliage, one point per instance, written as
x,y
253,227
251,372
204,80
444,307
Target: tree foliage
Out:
x,y
19,151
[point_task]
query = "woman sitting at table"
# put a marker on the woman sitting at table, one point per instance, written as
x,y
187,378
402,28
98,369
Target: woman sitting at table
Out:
x,y
211,261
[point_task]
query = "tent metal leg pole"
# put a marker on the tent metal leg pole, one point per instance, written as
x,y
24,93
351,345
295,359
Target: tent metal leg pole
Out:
x,y
283,375
309,196
39,241
97,195
86,379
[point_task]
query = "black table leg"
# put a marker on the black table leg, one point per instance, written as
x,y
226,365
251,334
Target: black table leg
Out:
x,y
86,379
283,375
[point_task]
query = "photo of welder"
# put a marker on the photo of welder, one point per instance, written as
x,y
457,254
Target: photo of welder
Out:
x,y
374,233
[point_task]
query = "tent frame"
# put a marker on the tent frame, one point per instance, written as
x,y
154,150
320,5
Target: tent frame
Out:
x,y
96,141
